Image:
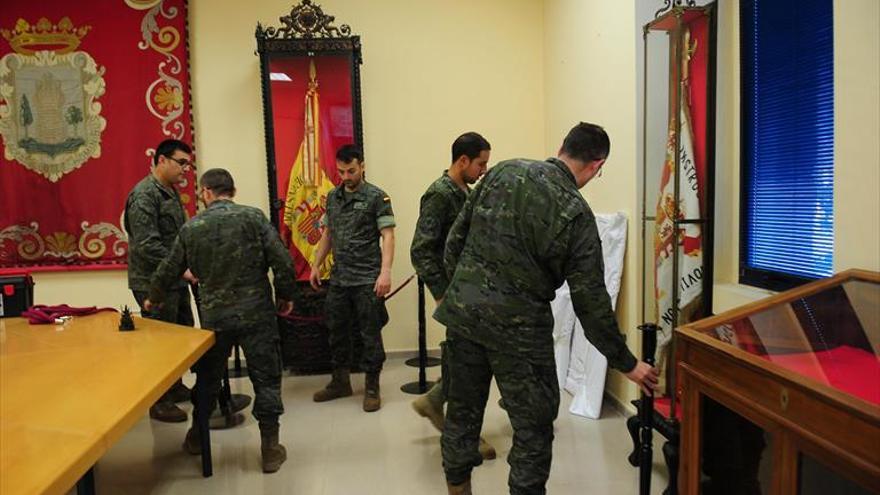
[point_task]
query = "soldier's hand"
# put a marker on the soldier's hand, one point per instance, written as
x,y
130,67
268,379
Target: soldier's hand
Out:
x,y
646,376
284,307
149,306
189,277
315,278
383,284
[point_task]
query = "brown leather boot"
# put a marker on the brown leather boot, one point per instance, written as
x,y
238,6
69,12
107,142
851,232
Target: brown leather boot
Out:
x,y
487,450
167,412
339,386
274,454
462,489
179,392
426,408
372,400
192,444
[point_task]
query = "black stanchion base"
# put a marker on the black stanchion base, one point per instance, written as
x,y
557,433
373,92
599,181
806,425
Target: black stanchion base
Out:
x,y
429,362
416,388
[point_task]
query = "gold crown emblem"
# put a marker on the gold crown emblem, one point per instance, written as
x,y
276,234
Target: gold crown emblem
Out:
x,y
28,39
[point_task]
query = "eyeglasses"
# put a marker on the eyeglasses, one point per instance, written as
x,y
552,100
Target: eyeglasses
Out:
x,y
184,164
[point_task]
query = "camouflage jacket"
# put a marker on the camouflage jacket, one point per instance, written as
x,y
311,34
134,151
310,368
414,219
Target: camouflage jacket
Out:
x,y
355,219
439,207
153,216
230,249
523,231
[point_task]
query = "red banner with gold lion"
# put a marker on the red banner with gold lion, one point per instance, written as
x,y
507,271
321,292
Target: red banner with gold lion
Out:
x,y
87,91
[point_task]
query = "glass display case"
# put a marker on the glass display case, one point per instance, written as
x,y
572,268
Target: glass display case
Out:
x,y
783,395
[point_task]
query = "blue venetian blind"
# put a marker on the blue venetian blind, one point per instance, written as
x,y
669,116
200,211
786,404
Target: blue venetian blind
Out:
x,y
787,64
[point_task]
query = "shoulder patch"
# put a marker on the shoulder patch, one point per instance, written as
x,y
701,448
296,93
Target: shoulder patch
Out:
x,y
386,199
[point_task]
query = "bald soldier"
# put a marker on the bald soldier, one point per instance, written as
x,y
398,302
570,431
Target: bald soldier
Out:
x,y
524,230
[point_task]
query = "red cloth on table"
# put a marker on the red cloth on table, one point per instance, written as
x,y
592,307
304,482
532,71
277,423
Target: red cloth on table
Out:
x,y
41,314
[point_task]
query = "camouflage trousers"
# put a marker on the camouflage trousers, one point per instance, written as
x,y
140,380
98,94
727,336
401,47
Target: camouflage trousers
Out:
x,y
350,309
261,343
175,309
531,397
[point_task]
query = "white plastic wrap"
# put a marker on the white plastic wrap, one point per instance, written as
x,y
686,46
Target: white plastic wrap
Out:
x,y
580,367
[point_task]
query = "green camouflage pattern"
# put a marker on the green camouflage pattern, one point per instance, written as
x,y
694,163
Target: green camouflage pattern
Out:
x,y
438,209
531,397
524,230
153,216
350,309
261,344
355,220
230,249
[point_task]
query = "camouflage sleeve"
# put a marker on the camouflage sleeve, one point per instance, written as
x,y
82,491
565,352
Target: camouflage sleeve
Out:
x,y
384,212
169,271
279,259
585,272
429,240
142,219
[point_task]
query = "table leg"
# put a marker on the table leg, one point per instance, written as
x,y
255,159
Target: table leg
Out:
x,y
204,431
86,484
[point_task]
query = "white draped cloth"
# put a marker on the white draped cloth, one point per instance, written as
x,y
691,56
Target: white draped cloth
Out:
x,y
580,367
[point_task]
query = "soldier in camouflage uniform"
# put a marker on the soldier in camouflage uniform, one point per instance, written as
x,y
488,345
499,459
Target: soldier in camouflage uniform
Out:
x,y
358,216
230,248
523,231
153,215
440,205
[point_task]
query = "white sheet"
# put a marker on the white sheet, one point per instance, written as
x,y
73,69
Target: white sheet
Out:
x,y
580,367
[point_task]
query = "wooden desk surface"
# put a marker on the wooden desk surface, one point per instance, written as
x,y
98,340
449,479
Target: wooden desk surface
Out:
x,y
68,393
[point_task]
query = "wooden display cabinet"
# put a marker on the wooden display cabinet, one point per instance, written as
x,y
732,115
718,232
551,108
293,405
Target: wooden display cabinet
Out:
x,y
782,396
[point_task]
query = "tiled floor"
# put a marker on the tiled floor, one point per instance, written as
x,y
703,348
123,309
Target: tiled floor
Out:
x,y
336,449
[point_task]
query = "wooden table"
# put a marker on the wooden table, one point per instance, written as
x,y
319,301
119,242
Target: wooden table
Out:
x,y
69,392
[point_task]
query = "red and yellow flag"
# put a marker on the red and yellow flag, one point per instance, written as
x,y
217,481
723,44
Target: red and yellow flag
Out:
x,y
306,199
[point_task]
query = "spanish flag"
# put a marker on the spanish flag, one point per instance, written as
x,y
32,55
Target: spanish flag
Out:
x,y
306,199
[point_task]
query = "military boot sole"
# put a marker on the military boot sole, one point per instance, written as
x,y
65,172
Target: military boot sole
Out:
x,y
487,450
372,404
423,407
331,394
225,422
277,456
168,414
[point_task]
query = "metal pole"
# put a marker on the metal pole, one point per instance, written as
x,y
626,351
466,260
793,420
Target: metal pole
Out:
x,y
646,412
421,386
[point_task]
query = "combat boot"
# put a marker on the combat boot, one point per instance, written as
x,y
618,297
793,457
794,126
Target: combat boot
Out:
x,y
192,444
179,392
167,412
427,408
339,386
462,489
372,401
274,454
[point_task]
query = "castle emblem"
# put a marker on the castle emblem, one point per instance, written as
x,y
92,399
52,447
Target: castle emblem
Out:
x,y
50,116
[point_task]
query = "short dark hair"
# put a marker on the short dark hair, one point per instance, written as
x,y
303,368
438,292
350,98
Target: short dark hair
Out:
x,y
469,144
218,180
348,153
586,142
168,147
